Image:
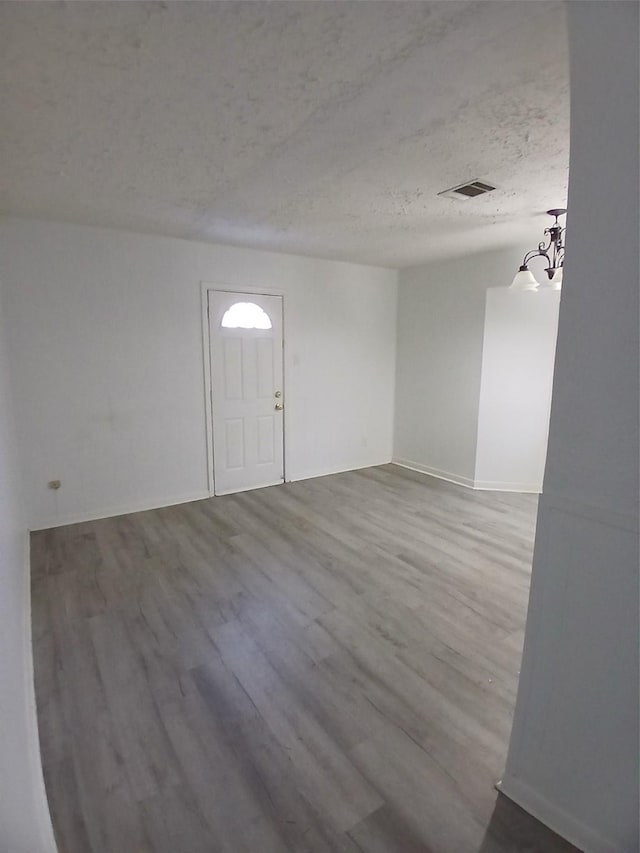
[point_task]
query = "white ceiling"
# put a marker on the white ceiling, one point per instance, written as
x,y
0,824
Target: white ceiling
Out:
x,y
319,128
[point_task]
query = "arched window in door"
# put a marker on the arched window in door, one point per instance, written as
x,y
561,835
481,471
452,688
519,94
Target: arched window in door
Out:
x,y
245,315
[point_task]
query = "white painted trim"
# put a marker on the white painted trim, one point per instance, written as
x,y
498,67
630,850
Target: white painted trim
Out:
x,y
43,815
144,506
206,363
113,512
458,479
207,287
242,288
311,475
564,824
497,486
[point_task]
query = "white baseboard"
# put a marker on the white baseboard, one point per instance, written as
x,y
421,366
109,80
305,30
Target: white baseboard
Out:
x,y
143,506
434,472
467,482
581,836
310,475
112,512
498,486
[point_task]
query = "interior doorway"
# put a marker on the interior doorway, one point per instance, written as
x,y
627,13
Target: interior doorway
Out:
x,y
247,392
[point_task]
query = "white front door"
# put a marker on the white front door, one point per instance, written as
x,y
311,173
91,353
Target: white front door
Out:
x,y
247,395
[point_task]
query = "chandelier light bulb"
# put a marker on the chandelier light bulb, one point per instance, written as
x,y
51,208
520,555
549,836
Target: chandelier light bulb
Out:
x,y
524,281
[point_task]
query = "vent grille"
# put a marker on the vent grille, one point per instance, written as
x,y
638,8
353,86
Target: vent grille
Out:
x,y
468,190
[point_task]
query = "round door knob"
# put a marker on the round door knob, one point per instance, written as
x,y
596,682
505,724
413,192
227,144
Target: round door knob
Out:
x,y
278,407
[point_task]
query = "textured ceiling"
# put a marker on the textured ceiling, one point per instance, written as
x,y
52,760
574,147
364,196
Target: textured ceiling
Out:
x,y
319,128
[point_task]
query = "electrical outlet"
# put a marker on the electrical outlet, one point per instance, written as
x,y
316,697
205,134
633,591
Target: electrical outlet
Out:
x,y
54,484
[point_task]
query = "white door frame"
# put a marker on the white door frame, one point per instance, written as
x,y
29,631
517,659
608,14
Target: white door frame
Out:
x,y
205,288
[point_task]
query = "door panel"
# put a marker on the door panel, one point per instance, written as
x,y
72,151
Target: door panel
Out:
x,y
246,390
232,359
265,368
266,440
234,441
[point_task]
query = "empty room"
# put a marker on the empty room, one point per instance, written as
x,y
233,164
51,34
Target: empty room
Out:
x,y
319,344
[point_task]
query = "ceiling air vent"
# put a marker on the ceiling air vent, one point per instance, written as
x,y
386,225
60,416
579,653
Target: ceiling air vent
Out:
x,y
468,190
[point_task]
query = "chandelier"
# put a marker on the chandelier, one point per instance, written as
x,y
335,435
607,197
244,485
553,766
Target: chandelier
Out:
x,y
552,251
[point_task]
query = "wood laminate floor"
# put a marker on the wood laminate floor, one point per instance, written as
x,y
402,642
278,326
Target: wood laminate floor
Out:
x,y
328,665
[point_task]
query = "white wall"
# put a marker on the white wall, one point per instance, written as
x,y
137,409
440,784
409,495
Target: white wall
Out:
x,y
452,386
518,353
106,344
24,818
439,355
573,757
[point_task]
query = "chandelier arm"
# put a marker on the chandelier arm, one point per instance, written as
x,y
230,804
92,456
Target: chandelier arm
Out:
x,y
552,251
535,253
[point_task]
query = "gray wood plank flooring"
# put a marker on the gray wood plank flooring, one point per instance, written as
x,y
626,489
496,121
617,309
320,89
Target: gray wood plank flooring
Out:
x,y
328,665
